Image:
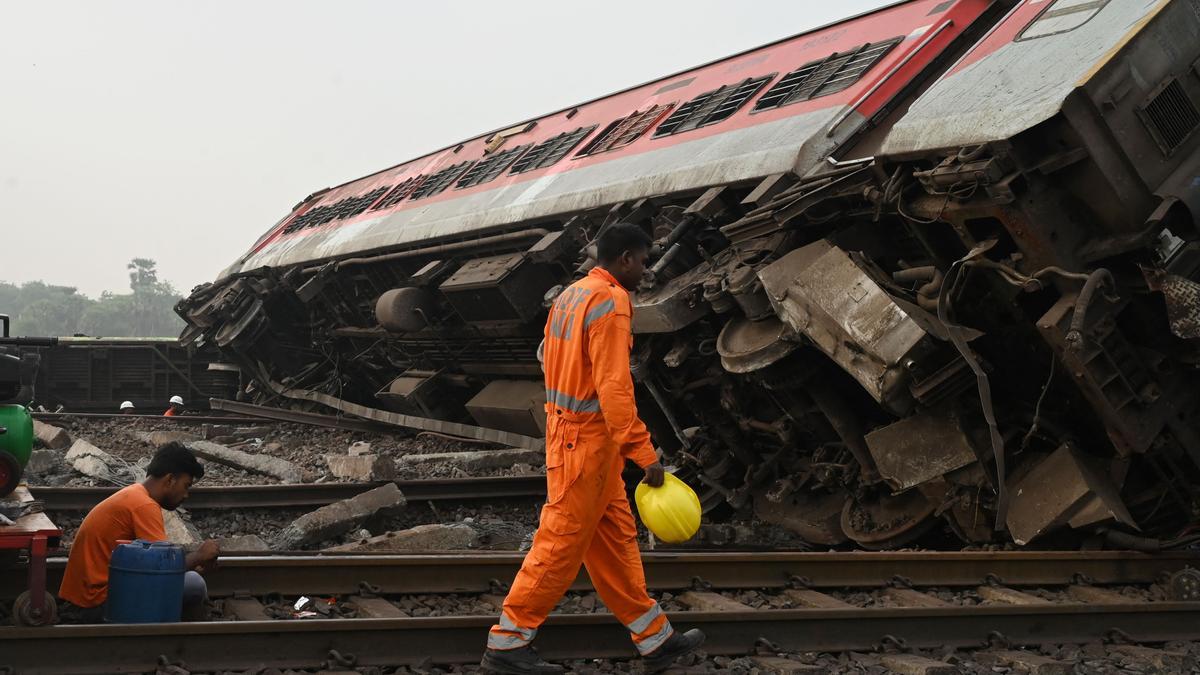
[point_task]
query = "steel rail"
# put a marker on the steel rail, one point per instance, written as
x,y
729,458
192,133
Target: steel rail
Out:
x,y
480,572
309,494
174,419
229,645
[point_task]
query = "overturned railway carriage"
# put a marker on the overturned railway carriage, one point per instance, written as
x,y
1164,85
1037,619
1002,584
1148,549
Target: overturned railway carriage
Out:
x,y
931,270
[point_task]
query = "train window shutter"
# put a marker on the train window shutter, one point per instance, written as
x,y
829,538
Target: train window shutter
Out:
x,y
487,169
441,180
826,76
624,131
711,106
549,151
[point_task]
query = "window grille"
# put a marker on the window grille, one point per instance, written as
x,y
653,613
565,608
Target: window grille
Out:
x,y
441,180
826,76
486,169
398,193
1170,116
339,210
624,131
711,107
549,151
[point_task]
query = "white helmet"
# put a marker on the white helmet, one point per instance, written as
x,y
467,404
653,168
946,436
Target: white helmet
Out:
x,y
126,405
177,400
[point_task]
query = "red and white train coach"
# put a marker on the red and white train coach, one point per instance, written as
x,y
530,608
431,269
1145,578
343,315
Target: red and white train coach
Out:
x,y
928,271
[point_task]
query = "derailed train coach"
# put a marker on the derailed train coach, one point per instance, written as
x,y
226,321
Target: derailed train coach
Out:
x,y
930,271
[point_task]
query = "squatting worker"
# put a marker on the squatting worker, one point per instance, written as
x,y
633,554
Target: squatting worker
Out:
x,y
592,427
135,512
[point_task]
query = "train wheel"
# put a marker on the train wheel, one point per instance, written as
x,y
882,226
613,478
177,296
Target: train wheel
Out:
x,y
888,521
1184,585
25,615
10,473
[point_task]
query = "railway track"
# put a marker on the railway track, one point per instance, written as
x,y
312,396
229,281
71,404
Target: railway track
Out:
x,y
1095,615
309,494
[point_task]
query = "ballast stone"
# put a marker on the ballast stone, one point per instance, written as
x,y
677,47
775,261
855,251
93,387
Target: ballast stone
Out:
x,y
339,517
360,448
432,537
261,464
362,468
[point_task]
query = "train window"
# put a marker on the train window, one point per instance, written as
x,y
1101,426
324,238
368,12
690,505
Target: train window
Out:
x,y
1061,16
711,106
398,193
339,210
441,180
551,150
1170,116
825,76
486,170
624,131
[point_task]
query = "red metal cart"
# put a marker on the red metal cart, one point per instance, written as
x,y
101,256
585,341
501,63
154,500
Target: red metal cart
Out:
x,y
37,535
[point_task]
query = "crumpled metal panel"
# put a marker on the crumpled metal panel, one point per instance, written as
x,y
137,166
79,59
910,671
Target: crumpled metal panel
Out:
x,y
1066,488
819,292
919,448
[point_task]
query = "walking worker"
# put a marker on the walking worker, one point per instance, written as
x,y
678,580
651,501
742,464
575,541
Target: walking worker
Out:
x,y
135,512
127,408
175,408
592,427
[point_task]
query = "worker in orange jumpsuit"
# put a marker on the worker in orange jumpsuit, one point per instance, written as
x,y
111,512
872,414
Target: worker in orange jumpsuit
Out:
x,y
592,428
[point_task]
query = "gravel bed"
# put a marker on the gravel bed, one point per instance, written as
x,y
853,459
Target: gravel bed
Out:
x,y
303,445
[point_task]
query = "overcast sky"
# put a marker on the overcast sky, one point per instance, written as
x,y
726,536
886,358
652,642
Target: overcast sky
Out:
x,y
181,131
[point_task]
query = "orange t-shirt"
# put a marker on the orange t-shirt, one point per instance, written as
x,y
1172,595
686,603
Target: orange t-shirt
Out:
x,y
170,412
129,514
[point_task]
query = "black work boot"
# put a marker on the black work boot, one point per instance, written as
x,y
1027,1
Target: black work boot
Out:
x,y
517,661
676,646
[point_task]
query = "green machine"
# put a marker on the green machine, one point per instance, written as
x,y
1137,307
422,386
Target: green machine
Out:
x,y
17,371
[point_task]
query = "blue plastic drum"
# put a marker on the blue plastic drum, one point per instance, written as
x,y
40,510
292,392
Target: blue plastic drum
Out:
x,y
145,583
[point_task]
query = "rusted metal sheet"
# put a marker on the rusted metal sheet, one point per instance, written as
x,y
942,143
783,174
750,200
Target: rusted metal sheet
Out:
x,y
820,293
1065,487
919,448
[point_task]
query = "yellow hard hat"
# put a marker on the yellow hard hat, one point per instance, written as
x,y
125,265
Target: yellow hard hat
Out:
x,y
671,512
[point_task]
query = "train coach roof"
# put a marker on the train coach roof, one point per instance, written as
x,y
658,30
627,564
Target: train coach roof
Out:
x,y
1020,74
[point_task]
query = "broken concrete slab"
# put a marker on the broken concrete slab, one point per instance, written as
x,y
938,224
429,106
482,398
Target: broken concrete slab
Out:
x,y
432,537
180,530
359,448
361,468
55,438
243,542
261,464
478,460
96,463
339,517
1160,660
161,438
45,461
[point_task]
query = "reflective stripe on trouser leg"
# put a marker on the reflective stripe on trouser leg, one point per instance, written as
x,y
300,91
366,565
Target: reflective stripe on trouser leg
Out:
x,y
508,635
652,638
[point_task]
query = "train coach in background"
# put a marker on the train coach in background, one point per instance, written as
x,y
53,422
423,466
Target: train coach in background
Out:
x,y
135,512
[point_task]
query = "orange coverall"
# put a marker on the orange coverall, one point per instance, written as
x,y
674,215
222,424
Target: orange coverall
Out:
x,y
592,427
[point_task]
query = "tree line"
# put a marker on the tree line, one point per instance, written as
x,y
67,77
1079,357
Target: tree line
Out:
x,y
41,309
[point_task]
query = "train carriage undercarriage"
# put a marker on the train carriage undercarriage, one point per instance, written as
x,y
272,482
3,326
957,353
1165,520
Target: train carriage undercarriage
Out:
x,y
973,345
